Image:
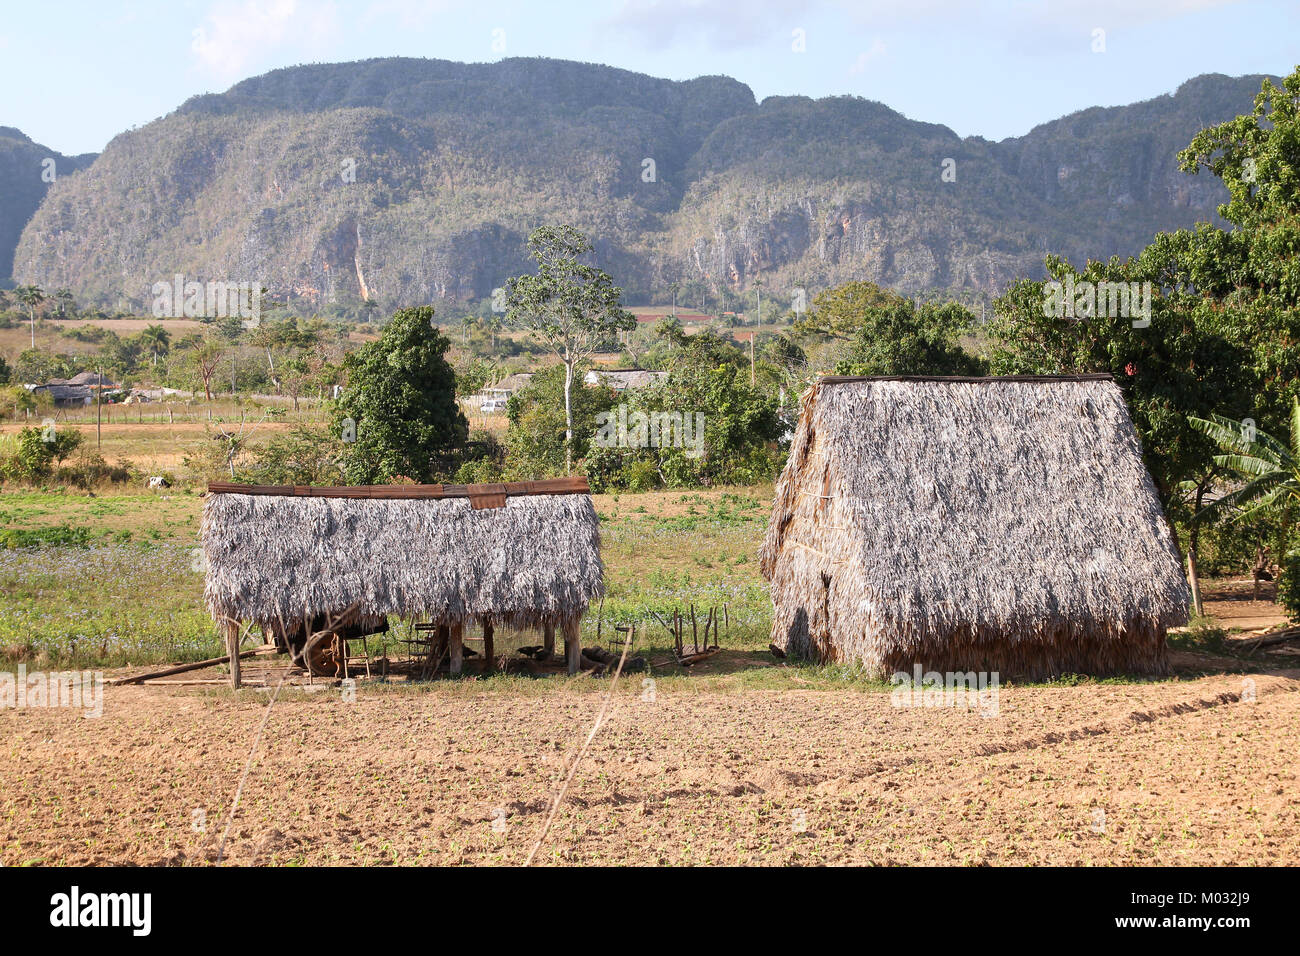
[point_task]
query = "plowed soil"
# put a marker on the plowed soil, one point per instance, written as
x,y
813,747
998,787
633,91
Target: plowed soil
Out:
x,y
1190,771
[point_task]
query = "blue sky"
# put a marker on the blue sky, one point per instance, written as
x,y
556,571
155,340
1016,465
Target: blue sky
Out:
x,y
77,73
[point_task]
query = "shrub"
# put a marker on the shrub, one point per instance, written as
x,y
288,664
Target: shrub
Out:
x,y
641,474
28,458
89,469
304,455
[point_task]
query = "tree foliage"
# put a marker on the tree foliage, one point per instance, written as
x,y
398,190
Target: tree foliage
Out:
x,y
400,399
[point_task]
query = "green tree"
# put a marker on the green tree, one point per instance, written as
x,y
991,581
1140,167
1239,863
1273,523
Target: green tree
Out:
x,y
1270,470
66,302
1269,466
535,440
897,338
1252,271
838,313
400,401
704,425
156,339
206,354
569,306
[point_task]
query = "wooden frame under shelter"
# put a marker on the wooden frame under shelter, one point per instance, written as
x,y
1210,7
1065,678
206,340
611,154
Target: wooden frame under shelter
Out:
x,y
299,561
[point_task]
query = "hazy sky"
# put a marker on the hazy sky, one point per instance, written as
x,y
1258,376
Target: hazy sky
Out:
x,y
74,74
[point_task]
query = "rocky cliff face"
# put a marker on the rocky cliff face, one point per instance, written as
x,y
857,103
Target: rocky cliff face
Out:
x,y
27,170
415,181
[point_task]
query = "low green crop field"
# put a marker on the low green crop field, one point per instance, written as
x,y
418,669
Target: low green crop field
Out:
x,y
113,580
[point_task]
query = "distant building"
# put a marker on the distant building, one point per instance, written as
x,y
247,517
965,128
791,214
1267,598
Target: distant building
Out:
x,y
511,383
494,398
622,379
78,390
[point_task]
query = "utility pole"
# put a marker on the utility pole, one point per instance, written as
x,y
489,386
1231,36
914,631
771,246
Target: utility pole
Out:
x,y
99,404
751,356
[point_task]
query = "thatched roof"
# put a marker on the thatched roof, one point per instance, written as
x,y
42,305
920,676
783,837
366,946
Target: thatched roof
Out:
x,y
443,553
621,379
513,382
1005,522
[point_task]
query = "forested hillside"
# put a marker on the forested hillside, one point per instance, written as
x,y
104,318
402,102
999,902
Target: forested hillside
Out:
x,y
409,181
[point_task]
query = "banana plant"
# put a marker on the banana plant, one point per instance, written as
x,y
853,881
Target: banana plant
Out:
x,y
1269,466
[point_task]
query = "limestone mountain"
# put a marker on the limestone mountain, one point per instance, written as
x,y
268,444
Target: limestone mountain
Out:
x,y
414,181
27,169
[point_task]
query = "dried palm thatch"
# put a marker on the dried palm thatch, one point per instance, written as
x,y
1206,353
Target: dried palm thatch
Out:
x,y
1001,525
531,562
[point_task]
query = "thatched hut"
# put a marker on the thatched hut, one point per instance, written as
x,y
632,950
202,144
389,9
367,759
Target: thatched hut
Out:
x,y
971,524
524,554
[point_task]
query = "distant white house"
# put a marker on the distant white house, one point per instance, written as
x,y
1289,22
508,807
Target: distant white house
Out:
x,y
494,398
622,379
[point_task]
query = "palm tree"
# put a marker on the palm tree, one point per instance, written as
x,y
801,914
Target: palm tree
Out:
x,y
66,303
30,296
1271,467
157,339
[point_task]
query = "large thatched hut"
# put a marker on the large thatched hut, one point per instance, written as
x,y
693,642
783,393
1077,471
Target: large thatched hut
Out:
x,y
971,524
523,554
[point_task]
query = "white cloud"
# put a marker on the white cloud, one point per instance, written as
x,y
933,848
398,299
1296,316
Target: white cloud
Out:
x,y
237,36
873,52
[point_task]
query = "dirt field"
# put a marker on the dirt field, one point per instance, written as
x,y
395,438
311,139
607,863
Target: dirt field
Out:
x,y
1176,772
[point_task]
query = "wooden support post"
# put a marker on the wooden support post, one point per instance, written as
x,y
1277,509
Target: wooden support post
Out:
x,y
232,648
548,639
489,649
572,645
457,647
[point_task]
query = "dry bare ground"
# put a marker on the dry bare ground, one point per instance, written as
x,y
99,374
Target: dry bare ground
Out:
x,y
1179,772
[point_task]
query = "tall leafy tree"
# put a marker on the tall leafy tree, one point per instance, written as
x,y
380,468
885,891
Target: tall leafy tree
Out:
x,y
568,305
1185,362
1251,273
156,339
839,312
898,338
66,302
399,403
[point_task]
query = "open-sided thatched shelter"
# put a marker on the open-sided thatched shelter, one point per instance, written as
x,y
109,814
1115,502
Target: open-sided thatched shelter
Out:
x,y
525,554
999,524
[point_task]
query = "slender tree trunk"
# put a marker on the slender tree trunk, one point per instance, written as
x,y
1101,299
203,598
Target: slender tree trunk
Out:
x,y
1193,552
568,415
1193,576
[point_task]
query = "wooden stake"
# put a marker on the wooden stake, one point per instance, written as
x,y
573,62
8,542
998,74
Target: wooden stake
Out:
x,y
232,647
572,645
489,647
457,647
